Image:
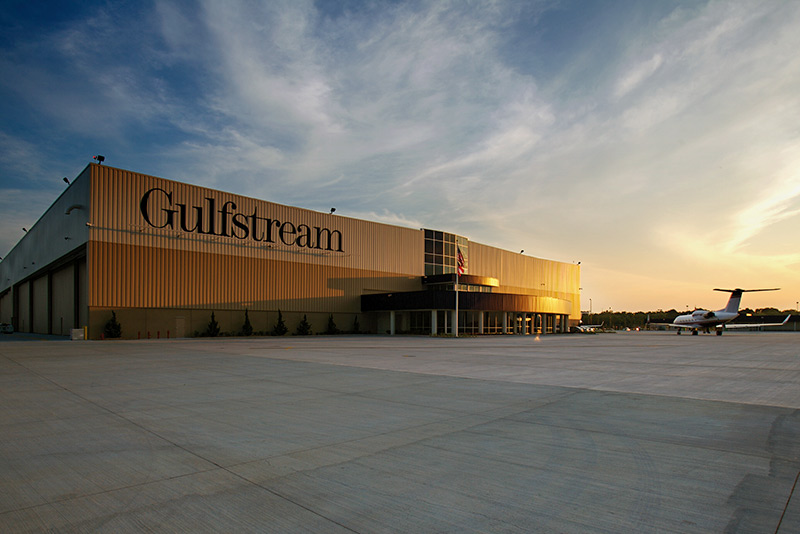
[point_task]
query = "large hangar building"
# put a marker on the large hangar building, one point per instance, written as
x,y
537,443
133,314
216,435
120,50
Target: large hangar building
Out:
x,y
164,255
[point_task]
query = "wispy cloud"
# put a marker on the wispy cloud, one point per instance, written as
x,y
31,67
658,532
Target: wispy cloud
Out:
x,y
655,137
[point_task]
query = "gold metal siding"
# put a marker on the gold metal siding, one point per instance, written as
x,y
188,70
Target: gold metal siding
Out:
x,y
116,218
132,264
521,274
129,276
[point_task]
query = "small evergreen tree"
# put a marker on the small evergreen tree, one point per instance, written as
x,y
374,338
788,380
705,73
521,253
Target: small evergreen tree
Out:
x,y
331,330
303,327
112,329
212,330
280,328
247,328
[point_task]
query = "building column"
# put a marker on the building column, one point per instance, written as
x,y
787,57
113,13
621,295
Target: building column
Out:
x,y
434,327
480,322
453,322
505,322
391,322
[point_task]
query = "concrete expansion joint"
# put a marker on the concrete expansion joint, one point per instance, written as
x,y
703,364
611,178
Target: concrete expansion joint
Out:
x,y
788,500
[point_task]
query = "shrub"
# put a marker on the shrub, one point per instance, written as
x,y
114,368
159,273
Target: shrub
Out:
x,y
303,328
280,328
112,329
247,328
331,329
212,330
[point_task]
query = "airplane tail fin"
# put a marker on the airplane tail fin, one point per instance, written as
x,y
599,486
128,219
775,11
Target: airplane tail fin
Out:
x,y
736,297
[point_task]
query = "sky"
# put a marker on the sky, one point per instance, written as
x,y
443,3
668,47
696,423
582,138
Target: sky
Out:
x,y
656,142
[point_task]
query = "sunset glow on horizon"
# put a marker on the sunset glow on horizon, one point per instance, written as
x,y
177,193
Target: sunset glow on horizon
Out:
x,y
654,142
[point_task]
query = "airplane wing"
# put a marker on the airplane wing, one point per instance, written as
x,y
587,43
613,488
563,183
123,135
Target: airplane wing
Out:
x,y
756,325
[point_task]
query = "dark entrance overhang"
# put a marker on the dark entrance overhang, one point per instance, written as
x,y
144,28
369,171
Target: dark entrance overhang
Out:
x,y
446,300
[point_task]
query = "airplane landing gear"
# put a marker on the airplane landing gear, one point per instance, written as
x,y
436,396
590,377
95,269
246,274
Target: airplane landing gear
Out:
x,y
695,333
719,331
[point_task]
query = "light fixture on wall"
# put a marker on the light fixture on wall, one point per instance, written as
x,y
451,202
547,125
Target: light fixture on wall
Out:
x,y
332,210
66,180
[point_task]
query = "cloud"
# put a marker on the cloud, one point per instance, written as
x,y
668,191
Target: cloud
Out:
x,y
637,75
388,217
659,138
772,206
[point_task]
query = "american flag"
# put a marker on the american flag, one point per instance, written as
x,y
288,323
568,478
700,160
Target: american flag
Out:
x,y
461,262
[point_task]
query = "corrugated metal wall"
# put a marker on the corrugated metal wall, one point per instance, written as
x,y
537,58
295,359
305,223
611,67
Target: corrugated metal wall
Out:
x,y
63,312
146,277
24,313
59,231
6,307
136,264
527,275
116,218
40,310
133,264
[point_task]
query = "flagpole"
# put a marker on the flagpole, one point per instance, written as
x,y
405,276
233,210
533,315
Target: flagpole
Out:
x,y
459,269
455,328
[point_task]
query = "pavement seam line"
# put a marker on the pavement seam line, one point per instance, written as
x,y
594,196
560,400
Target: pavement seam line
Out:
x,y
788,500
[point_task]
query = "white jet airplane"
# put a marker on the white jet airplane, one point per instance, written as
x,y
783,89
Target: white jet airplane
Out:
x,y
720,319
588,328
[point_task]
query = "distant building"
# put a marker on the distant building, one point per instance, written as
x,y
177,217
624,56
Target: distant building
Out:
x,y
164,255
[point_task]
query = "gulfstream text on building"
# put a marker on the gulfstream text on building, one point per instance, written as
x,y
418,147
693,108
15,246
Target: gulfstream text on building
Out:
x,y
227,222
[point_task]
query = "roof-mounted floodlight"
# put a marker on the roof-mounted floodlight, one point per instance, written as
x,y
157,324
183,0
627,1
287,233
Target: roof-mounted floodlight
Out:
x,y
100,159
